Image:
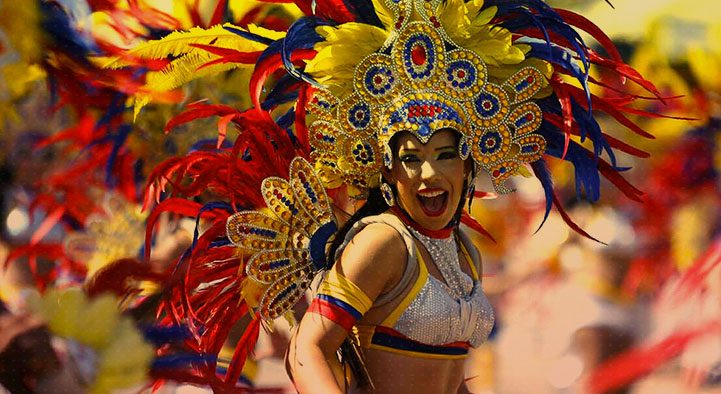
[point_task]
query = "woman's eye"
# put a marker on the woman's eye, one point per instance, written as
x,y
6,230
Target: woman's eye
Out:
x,y
447,155
408,158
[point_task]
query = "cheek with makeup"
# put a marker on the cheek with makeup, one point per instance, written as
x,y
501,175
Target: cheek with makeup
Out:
x,y
428,178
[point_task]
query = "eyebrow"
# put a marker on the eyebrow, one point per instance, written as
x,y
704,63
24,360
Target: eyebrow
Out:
x,y
437,149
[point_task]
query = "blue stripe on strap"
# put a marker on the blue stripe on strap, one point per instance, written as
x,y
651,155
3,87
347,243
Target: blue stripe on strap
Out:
x,y
401,343
341,304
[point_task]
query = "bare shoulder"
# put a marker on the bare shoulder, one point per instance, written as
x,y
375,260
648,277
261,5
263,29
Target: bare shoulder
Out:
x,y
375,254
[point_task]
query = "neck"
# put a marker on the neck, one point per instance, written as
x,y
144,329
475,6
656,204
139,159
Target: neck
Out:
x,y
442,233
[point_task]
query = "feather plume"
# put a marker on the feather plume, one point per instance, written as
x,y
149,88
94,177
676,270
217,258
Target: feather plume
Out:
x,y
179,43
340,52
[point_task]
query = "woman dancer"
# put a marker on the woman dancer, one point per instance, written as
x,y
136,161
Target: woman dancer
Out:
x,y
413,270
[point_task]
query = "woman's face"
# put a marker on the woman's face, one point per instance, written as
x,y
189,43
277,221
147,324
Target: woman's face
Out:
x,y
428,178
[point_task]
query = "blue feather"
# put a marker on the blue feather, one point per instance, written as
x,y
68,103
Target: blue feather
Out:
x,y
220,242
58,24
301,35
163,335
588,126
521,14
205,208
364,12
562,57
209,144
118,142
273,49
187,360
587,178
544,176
281,93
286,120
249,35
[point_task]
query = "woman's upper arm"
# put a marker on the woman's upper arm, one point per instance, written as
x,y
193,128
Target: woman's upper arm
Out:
x,y
373,261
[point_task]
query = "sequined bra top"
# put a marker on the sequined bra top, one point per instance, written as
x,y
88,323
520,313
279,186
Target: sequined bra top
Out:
x,y
429,321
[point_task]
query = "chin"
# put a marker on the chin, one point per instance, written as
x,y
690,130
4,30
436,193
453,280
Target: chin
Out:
x,y
434,224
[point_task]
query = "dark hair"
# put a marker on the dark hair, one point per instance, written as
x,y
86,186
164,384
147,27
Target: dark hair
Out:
x,y
374,205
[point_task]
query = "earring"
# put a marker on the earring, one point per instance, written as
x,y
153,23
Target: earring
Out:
x,y
387,193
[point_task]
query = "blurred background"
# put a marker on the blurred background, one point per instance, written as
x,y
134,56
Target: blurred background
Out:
x,y
636,311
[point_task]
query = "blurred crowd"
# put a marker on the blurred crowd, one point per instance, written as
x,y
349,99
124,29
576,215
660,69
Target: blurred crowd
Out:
x,y
637,310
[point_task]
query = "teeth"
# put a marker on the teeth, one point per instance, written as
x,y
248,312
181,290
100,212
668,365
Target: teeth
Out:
x,y
431,194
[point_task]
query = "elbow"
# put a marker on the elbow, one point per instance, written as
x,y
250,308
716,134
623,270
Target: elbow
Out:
x,y
312,368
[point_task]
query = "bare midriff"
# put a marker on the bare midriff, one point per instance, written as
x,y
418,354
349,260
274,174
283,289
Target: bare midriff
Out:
x,y
398,373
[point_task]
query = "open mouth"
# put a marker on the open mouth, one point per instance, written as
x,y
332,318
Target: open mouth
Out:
x,y
433,201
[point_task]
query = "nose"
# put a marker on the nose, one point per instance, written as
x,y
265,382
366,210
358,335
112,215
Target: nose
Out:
x,y
428,172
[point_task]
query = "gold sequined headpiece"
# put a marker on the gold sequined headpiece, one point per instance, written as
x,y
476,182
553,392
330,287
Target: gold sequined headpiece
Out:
x,y
421,81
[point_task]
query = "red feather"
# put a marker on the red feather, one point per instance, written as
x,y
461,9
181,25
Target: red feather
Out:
x,y
589,27
619,181
567,219
613,142
632,365
48,223
228,55
565,100
268,66
180,206
604,105
471,222
301,128
199,110
245,346
218,13
117,278
335,10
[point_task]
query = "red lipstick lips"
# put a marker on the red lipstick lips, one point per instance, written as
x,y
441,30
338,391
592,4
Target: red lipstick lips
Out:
x,y
433,201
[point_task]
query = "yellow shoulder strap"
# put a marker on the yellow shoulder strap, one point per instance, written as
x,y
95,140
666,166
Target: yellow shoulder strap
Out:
x,y
390,321
471,263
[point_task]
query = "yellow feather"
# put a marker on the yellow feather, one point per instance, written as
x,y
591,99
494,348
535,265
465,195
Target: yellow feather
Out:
x,y
706,67
251,291
340,53
240,8
140,101
453,17
267,33
469,27
185,69
384,13
178,73
483,17
178,43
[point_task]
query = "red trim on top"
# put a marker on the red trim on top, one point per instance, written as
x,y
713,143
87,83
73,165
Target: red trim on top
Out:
x,y
333,312
440,234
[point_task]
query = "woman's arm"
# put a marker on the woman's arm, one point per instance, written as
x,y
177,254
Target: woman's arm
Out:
x,y
373,261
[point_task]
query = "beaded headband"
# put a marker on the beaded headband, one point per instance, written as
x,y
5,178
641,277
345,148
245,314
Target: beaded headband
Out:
x,y
420,82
